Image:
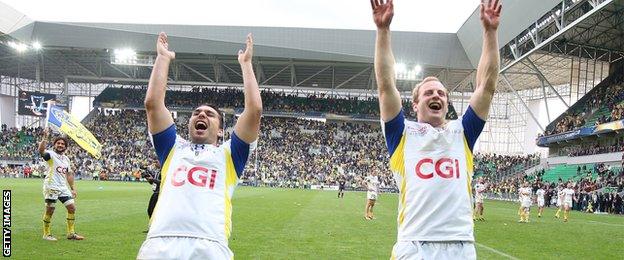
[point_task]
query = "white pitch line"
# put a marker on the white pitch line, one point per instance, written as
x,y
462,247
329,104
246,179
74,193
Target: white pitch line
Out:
x,y
495,251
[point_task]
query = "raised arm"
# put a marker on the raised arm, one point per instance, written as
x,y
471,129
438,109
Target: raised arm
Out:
x,y
389,96
487,71
248,124
158,116
44,141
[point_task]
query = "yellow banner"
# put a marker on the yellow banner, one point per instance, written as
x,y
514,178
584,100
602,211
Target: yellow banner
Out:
x,y
70,126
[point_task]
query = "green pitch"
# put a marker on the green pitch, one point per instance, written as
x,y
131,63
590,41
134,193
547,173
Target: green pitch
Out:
x,y
294,224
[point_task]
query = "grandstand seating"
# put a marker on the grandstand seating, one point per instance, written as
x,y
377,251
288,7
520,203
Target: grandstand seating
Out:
x,y
319,103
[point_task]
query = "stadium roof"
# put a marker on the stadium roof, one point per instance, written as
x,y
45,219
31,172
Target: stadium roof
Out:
x,y
287,56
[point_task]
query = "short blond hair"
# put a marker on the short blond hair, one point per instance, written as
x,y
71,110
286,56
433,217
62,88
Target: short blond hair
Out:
x,y
417,87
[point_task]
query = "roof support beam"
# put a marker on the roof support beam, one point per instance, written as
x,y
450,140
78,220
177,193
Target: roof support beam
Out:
x,y
353,77
196,72
545,100
508,84
543,78
276,73
118,70
556,35
313,75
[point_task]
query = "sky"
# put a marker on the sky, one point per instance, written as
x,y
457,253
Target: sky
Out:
x,y
410,15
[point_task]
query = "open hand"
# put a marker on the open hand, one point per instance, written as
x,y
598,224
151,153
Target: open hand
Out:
x,y
490,14
382,13
162,47
245,56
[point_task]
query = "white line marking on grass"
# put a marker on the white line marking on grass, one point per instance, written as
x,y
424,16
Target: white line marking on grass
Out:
x,y
495,251
608,224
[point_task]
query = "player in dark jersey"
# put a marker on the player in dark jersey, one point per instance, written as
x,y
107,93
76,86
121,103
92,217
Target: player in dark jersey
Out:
x,y
341,186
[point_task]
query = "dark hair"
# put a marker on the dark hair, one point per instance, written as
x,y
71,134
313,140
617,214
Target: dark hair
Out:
x,y
216,108
61,138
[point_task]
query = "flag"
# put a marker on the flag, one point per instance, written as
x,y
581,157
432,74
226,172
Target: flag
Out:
x,y
69,125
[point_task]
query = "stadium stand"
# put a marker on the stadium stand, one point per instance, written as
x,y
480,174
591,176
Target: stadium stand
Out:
x,y
273,100
602,104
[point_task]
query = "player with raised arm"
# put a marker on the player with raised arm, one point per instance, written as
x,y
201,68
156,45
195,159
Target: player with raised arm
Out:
x,y
432,158
193,215
58,184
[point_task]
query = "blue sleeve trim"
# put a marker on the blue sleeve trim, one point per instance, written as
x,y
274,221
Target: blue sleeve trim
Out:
x,y
163,143
240,153
46,156
473,125
393,131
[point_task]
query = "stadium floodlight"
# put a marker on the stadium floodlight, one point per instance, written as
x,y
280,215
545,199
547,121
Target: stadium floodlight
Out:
x,y
125,56
19,47
36,46
130,57
400,68
417,69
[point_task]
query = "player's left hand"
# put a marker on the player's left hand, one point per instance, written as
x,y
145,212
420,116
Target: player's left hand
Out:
x,y
73,192
245,56
490,14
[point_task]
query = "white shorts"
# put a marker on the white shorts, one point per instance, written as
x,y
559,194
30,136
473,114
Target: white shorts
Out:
x,y
540,203
52,195
525,204
371,195
559,203
183,248
479,199
434,250
567,203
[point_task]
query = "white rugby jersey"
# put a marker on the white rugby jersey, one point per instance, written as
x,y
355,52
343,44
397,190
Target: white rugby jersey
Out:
x,y
560,194
372,183
197,183
525,193
568,194
56,171
540,194
479,189
433,169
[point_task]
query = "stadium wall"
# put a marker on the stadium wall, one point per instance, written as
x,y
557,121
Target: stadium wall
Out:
x,y
7,106
598,158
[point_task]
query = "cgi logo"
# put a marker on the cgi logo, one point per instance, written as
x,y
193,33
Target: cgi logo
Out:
x,y
61,170
443,167
197,176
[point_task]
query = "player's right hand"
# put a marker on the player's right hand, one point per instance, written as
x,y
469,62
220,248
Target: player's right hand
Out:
x,y
382,13
162,47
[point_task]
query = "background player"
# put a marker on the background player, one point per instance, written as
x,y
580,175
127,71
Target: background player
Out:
x,y
568,197
479,189
372,192
540,200
560,194
524,193
341,186
193,215
432,159
58,185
